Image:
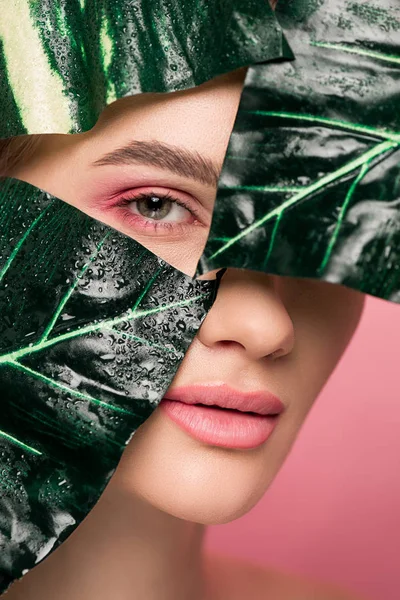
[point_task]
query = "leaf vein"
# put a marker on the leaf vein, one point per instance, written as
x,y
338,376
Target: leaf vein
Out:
x,y
326,121
69,293
20,444
349,195
21,242
360,51
67,389
13,356
314,187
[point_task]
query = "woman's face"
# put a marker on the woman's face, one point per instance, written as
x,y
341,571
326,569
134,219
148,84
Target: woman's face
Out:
x,y
149,168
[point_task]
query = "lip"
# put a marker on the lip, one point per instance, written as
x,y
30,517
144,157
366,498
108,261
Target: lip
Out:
x,y
222,395
219,415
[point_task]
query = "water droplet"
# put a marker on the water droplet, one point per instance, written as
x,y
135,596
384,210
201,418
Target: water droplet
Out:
x,y
107,357
181,325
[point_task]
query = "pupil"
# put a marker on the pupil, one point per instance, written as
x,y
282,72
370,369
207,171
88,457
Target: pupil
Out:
x,y
154,207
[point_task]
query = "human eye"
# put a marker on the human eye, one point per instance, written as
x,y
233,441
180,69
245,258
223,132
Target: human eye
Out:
x,y
155,210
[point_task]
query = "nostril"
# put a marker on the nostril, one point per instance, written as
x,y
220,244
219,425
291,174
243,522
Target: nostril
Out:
x,y
276,354
226,344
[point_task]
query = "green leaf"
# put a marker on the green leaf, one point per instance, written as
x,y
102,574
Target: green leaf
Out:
x,y
65,60
93,329
311,181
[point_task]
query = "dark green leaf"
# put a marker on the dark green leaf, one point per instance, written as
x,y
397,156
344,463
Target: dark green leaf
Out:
x,y
90,338
311,181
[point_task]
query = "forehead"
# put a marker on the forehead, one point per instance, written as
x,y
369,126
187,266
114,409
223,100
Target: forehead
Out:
x,y
196,119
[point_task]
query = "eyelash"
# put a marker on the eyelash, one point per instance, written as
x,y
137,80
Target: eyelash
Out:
x,y
132,218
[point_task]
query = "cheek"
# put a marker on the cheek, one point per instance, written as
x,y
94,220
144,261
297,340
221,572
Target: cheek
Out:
x,y
170,471
337,316
325,321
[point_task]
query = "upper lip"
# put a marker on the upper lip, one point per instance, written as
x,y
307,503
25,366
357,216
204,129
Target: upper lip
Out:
x,y
261,402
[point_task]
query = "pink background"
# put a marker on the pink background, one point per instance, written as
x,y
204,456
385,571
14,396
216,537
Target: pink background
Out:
x,y
336,500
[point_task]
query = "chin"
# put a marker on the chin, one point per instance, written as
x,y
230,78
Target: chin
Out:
x,y
169,470
210,506
207,514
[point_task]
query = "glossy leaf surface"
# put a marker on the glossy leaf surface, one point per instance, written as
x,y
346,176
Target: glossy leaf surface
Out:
x,y
93,329
311,181
63,61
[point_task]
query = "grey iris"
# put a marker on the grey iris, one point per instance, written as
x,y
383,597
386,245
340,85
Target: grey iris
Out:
x,y
154,207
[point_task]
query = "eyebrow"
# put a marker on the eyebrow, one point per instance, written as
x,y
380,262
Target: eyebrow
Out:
x,y
183,162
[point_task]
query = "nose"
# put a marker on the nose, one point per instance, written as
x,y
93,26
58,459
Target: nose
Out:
x,y
249,312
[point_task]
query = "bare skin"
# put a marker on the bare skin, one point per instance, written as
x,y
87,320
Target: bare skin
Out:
x,y
144,538
235,579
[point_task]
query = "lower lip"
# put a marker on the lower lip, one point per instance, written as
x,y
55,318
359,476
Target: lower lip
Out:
x,y
220,426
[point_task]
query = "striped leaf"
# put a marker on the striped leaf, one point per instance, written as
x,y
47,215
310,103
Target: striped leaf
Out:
x,y
63,61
